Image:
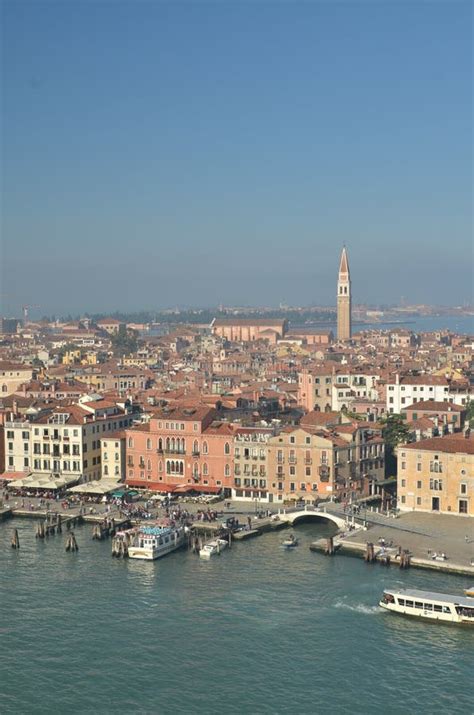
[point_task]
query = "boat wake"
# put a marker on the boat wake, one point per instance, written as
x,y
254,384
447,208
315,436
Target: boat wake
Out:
x,y
357,608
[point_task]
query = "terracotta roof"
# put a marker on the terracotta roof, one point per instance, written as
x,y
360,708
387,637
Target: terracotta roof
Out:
x,y
453,444
183,412
312,419
432,406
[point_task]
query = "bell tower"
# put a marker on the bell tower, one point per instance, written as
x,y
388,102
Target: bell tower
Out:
x,y
344,321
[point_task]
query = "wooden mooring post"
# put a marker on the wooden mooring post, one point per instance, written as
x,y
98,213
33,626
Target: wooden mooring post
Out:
x,y
369,553
329,550
71,543
15,542
405,559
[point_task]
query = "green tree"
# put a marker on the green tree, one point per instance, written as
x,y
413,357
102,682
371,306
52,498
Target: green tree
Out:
x,y
124,342
395,431
470,413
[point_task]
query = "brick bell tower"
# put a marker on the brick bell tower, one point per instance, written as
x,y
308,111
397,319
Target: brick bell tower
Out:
x,y
344,320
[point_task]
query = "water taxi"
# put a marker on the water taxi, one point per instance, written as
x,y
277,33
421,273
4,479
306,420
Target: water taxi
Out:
x,y
211,548
153,542
429,605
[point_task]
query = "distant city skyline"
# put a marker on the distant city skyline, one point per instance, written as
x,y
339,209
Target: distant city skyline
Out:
x,y
162,154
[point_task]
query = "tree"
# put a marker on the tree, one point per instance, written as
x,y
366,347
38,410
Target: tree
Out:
x,y
470,413
125,341
395,431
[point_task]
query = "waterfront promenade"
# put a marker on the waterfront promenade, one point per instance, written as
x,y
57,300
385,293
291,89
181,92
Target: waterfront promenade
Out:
x,y
424,535
421,534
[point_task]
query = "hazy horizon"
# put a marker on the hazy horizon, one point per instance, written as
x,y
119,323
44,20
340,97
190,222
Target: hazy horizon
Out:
x,y
162,154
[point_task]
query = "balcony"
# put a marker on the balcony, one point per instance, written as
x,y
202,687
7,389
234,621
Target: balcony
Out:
x,y
174,451
195,453
308,460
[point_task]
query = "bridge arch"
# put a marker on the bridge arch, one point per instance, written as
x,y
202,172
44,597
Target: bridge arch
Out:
x,y
320,516
294,517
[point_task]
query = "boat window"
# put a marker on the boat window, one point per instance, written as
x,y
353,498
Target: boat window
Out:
x,y
437,608
428,606
409,604
166,539
401,601
446,609
160,541
418,604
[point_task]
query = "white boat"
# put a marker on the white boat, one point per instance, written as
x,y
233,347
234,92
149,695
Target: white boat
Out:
x,y
290,543
211,548
152,542
429,605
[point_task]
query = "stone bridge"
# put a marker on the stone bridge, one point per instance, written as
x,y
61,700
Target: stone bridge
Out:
x,y
293,515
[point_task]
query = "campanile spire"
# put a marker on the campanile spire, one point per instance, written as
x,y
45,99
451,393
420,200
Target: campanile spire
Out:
x,y
344,322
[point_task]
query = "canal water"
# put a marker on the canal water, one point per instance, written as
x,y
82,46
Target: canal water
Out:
x,y
256,630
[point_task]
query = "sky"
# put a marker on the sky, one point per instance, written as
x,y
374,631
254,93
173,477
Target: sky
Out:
x,y
156,154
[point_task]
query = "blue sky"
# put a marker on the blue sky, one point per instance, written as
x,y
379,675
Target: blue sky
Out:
x,y
193,153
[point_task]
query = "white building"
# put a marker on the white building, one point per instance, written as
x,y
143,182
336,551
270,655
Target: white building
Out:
x,y
65,441
408,390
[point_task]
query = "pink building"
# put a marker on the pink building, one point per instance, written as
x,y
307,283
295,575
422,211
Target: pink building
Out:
x,y
180,449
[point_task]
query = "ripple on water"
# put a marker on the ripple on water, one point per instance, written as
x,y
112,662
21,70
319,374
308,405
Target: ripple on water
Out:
x,y
257,630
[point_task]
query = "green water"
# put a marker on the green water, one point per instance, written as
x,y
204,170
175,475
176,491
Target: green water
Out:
x,y
256,630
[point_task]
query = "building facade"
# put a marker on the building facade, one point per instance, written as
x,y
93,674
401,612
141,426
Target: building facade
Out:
x,y
63,442
437,475
408,390
181,448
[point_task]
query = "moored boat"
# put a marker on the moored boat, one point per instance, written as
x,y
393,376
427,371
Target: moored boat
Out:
x,y
469,591
152,542
212,548
429,605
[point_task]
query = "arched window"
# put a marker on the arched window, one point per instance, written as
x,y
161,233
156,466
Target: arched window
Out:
x,y
196,470
117,472
149,465
106,470
167,444
160,444
227,470
204,469
227,448
204,447
168,467
130,442
181,467
195,446
183,445
160,466
4,388
148,443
